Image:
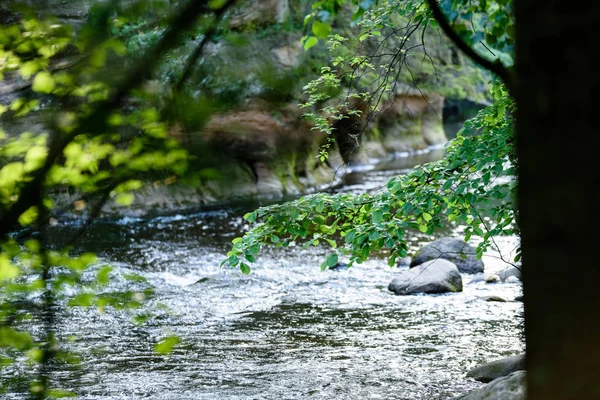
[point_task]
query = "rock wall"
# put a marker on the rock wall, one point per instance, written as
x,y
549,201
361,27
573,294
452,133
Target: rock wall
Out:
x,y
411,121
73,12
257,143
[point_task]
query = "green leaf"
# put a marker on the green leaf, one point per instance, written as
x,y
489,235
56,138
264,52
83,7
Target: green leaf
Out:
x,y
29,216
82,300
331,260
320,29
233,260
320,206
250,217
29,68
245,268
486,178
43,83
309,42
350,236
98,57
392,261
7,269
377,216
331,243
216,4
468,235
35,158
124,199
104,275
427,217
166,345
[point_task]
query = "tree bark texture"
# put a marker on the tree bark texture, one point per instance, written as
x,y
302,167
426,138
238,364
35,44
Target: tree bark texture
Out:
x,y
558,145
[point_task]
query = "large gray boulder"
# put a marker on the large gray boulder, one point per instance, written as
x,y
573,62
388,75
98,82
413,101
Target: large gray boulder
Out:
x,y
498,368
511,387
454,250
435,276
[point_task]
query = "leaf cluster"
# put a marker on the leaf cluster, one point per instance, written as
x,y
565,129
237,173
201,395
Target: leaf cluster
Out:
x,y
472,186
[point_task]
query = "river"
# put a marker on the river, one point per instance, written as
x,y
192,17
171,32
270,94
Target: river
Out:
x,y
287,330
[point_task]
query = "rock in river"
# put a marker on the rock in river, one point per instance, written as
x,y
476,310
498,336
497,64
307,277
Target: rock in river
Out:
x,y
505,274
454,250
485,277
498,368
511,387
435,276
339,266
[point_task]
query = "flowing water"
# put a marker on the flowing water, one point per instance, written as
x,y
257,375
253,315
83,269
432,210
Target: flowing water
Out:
x,y
286,331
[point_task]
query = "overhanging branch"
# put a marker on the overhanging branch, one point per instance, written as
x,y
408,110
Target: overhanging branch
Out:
x,y
494,66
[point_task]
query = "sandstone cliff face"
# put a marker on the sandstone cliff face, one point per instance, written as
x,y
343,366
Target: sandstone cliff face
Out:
x,y
252,13
260,143
412,121
265,128
63,9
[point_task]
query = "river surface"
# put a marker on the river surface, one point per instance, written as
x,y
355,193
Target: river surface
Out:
x,y
287,330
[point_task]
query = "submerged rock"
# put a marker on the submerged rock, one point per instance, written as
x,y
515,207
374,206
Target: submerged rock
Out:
x,y
404,262
339,266
505,274
485,277
435,276
497,299
498,368
511,387
480,277
454,250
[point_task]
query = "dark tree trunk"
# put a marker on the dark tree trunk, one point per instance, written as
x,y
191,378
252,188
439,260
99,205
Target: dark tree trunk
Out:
x,y
558,141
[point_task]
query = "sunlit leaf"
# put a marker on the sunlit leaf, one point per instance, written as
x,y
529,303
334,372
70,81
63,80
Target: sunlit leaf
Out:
x,y
29,216
43,83
7,269
166,345
320,29
309,42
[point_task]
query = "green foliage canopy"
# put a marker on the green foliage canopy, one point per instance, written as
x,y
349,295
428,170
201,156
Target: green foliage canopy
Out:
x,y
474,185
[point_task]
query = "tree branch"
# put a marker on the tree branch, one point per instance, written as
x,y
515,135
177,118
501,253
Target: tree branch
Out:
x,y
192,61
494,66
95,122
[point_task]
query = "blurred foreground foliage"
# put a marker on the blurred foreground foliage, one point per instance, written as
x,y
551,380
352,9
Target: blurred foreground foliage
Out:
x,y
93,133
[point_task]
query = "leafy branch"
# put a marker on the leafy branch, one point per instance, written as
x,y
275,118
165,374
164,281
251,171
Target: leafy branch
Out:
x,y
458,189
494,66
